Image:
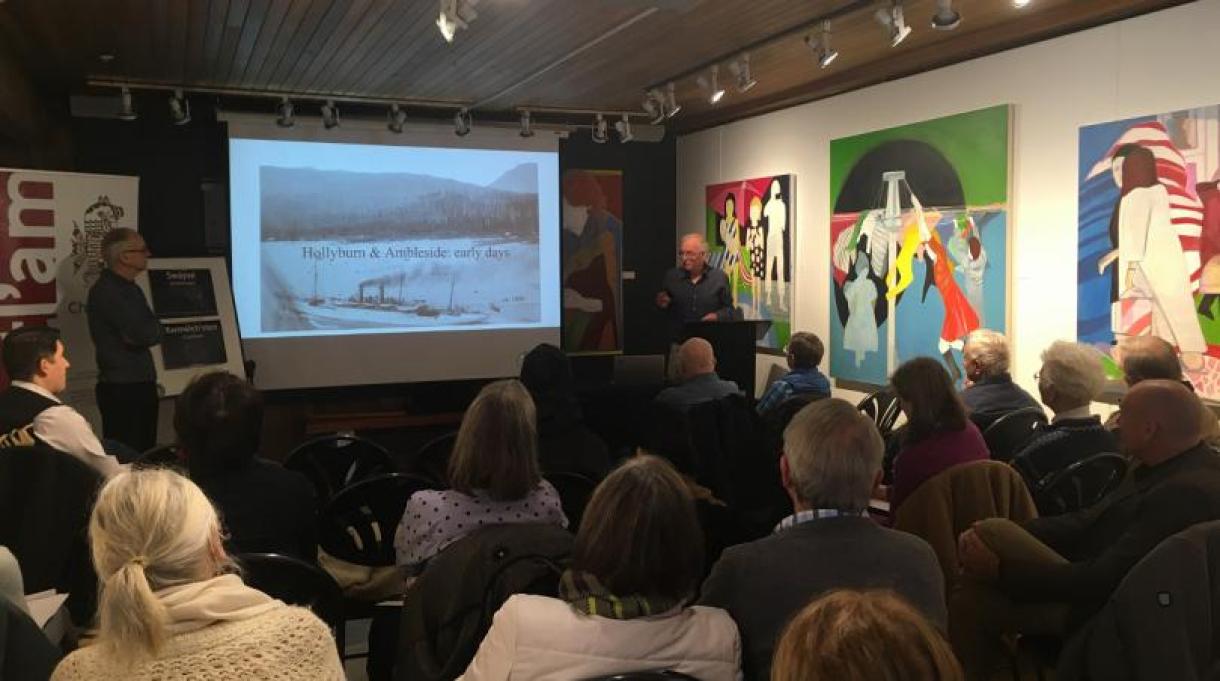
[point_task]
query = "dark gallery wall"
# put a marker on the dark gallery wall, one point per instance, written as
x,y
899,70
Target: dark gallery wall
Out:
x,y
649,207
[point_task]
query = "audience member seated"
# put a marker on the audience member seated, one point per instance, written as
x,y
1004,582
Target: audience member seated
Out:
x,y
830,465
863,636
266,508
1070,379
1071,563
493,475
167,608
1149,357
990,391
697,379
805,353
937,434
26,654
622,604
29,409
564,443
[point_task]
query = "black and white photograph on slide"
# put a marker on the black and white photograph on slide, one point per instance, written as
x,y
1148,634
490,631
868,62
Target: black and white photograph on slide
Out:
x,y
188,344
182,293
349,250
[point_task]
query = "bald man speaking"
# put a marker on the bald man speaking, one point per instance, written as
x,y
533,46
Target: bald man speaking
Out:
x,y
1074,562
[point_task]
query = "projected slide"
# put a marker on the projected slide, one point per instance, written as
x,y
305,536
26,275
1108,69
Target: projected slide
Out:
x,y
362,238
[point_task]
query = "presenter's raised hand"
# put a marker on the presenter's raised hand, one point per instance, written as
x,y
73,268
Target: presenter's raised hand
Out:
x,y
663,300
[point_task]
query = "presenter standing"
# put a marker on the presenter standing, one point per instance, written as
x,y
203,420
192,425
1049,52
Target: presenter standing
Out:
x,y
123,328
692,292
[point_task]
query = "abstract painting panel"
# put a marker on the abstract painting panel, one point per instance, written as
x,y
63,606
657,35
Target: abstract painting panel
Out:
x,y
591,248
750,227
918,242
1148,261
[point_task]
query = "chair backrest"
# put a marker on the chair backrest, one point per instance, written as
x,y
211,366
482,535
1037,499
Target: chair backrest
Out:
x,y
447,611
46,497
432,459
358,524
296,582
883,407
1081,484
574,492
1009,433
654,675
332,462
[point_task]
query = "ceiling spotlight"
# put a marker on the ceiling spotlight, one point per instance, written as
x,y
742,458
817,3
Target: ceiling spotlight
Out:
x,y
179,108
946,18
527,130
714,92
601,131
127,111
330,115
624,130
822,50
284,117
671,102
895,21
396,119
741,71
1020,3
461,123
654,106
455,14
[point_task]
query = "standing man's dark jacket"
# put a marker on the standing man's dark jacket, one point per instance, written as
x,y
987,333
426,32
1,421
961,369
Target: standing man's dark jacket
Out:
x,y
690,301
123,328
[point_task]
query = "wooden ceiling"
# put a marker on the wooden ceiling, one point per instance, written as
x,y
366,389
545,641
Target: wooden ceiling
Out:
x,y
579,54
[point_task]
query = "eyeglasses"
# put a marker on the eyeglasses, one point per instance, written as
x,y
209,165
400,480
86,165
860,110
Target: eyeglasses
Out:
x,y
693,254
144,250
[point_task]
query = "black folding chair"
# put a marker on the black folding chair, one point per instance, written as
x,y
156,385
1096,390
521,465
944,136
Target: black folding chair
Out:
x,y
1008,435
574,492
296,582
332,462
432,459
883,408
358,524
1082,484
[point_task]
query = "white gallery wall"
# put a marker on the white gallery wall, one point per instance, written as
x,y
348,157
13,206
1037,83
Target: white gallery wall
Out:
x,y
1151,64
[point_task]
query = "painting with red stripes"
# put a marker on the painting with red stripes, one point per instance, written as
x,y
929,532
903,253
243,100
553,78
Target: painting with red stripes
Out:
x,y
1149,237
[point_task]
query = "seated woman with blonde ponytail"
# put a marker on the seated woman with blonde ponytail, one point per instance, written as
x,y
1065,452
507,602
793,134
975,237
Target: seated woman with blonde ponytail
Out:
x,y
168,607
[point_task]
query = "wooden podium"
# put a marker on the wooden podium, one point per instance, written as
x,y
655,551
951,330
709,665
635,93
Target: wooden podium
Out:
x,y
735,344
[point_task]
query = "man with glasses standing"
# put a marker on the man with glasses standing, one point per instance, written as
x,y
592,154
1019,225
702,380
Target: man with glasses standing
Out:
x,y
123,328
692,292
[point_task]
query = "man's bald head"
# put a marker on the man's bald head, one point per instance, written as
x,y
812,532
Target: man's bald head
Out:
x,y
695,357
1161,419
1149,357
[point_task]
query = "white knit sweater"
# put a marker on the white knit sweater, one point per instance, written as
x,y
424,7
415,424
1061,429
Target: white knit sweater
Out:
x,y
283,643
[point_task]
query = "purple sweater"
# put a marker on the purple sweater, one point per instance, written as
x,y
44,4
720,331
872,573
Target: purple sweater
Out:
x,y
924,459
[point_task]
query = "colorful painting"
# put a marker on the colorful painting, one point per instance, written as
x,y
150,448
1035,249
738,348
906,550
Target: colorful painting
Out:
x,y
750,227
918,242
591,248
1149,237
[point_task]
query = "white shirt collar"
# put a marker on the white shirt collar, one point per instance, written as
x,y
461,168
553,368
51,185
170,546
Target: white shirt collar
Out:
x,y
34,388
1077,413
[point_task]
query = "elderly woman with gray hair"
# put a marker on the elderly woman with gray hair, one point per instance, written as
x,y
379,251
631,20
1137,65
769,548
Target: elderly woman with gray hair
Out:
x,y
1070,379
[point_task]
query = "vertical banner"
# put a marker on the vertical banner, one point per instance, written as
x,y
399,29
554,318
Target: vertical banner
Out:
x,y
592,248
51,229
